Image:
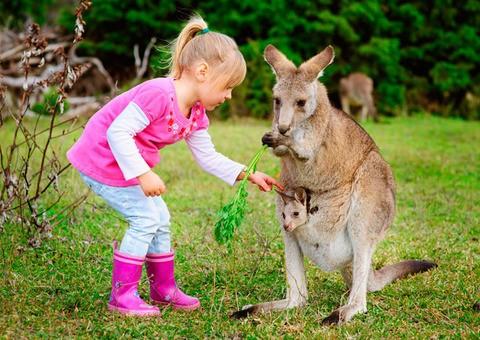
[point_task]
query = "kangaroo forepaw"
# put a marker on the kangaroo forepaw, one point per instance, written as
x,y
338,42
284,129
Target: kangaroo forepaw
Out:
x,y
280,150
269,140
274,139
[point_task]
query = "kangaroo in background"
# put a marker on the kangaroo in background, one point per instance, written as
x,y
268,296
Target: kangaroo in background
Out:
x,y
325,151
356,92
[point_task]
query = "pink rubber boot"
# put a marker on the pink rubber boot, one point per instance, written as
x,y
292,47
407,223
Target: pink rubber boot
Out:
x,y
127,271
163,288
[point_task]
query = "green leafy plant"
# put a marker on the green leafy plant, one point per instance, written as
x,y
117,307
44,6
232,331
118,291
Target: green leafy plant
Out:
x,y
231,215
49,103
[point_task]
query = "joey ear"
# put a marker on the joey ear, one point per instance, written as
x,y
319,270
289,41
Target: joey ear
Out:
x,y
278,61
313,67
301,195
285,197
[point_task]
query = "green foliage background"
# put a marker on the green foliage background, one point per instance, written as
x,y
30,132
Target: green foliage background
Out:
x,y
422,55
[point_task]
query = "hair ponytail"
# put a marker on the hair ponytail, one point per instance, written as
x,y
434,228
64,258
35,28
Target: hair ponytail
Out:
x,y
217,49
191,29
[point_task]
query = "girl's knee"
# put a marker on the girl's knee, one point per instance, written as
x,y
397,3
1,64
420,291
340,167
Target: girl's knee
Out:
x,y
145,226
163,229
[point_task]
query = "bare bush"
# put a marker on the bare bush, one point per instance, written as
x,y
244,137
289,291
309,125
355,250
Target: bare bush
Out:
x,y
30,166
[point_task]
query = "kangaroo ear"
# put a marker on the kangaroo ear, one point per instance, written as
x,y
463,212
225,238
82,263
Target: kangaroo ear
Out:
x,y
277,60
313,67
301,195
285,197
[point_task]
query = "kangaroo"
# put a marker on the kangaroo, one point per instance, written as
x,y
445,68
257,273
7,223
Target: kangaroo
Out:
x,y
295,211
325,151
330,251
356,91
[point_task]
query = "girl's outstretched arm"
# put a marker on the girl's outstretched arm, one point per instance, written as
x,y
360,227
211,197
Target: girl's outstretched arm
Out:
x,y
263,181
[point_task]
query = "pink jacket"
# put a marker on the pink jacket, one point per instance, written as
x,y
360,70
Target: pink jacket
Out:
x,y
92,155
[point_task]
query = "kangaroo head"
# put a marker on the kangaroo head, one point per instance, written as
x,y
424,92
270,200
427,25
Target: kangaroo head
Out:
x,y
294,212
296,91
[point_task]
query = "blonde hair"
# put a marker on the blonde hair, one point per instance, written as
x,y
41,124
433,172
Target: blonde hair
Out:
x,y
220,52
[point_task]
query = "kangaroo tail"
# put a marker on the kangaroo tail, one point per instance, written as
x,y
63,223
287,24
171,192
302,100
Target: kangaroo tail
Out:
x,y
385,275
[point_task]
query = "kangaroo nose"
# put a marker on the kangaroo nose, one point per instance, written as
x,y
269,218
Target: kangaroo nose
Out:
x,y
283,129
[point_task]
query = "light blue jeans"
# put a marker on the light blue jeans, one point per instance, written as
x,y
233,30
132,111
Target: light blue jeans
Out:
x,y
148,217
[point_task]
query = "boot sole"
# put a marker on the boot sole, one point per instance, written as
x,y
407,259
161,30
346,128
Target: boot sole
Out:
x,y
177,307
129,312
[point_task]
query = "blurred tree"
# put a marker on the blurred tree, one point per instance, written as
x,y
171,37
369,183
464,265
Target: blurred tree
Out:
x,y
14,13
422,55
114,27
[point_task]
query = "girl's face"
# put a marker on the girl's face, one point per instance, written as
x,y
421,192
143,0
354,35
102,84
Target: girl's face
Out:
x,y
213,93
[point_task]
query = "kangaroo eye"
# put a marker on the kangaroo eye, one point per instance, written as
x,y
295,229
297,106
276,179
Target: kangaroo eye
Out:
x,y
283,215
296,213
277,101
301,103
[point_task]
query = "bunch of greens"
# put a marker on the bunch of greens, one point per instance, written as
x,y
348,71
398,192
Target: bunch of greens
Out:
x,y
231,215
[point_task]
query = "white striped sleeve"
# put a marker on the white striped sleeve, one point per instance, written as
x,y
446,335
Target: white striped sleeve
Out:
x,y
213,162
120,135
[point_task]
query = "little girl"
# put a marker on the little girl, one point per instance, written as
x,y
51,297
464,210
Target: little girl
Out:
x,y
120,144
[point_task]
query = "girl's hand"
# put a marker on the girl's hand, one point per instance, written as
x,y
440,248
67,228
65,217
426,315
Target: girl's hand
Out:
x,y
264,181
151,184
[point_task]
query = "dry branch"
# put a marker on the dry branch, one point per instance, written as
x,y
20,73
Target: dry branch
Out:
x,y
141,65
24,187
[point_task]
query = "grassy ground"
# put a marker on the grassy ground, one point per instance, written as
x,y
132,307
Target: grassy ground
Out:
x,y
61,289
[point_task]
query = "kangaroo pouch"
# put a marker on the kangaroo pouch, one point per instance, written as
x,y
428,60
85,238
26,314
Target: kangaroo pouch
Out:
x,y
324,238
328,251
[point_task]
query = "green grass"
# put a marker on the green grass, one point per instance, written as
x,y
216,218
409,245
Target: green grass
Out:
x,y
61,289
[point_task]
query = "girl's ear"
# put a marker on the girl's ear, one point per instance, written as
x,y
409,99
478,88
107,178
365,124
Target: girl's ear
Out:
x,y
201,71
